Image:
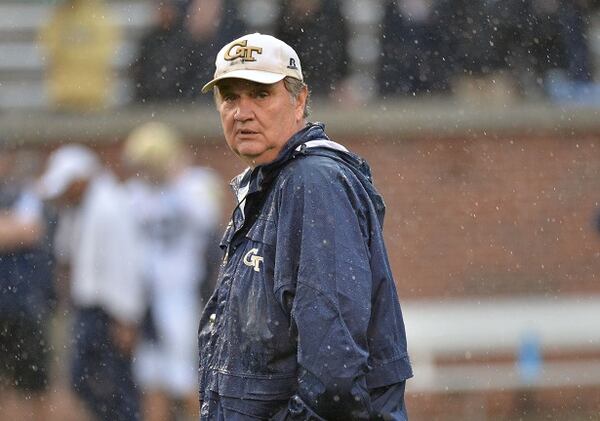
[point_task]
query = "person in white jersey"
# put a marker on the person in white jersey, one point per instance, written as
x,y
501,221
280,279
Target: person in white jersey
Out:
x,y
177,206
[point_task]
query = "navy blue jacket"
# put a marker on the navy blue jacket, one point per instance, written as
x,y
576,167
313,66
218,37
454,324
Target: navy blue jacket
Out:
x,y
305,321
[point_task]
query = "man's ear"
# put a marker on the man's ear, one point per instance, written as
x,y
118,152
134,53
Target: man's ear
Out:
x,y
301,103
216,96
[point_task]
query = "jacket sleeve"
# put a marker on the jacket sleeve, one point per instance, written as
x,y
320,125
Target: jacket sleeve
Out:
x,y
324,281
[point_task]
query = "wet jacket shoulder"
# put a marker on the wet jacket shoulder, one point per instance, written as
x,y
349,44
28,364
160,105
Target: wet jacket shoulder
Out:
x,y
306,314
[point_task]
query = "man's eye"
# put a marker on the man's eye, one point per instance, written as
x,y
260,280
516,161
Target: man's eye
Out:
x,y
262,94
227,96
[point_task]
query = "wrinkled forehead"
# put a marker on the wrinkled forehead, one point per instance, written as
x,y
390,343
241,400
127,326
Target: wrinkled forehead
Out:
x,y
235,84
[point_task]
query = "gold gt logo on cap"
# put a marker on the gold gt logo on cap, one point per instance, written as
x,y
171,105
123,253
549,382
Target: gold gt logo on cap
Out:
x,y
243,51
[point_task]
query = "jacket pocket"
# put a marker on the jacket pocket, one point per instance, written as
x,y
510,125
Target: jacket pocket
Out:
x,y
263,231
259,397
274,387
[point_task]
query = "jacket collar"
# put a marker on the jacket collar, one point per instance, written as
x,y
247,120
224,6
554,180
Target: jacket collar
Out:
x,y
257,177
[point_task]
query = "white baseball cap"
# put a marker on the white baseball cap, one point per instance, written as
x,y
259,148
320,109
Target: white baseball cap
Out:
x,y
256,57
66,165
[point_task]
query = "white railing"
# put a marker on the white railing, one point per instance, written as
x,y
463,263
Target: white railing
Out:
x,y
472,329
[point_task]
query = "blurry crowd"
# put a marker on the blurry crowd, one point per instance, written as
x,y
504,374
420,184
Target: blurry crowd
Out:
x,y
529,45
522,48
124,257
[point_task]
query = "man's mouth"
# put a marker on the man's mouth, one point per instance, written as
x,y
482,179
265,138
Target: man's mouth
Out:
x,y
246,132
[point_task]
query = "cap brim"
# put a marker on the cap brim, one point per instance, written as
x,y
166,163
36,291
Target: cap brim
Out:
x,y
258,76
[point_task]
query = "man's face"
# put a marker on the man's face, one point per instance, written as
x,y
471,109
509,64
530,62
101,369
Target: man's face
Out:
x,y
73,195
166,15
258,119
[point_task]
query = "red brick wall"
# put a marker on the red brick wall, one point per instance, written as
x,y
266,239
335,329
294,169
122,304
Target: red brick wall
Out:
x,y
479,216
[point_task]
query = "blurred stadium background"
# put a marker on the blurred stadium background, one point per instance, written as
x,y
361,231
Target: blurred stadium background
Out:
x,y
492,222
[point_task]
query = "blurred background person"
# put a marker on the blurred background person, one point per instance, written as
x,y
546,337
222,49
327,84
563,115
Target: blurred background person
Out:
x,y
96,238
210,23
177,208
411,60
161,69
318,32
562,56
471,34
27,294
175,54
79,44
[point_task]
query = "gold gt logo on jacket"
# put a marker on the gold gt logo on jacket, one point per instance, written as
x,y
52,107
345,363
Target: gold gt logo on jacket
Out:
x,y
253,260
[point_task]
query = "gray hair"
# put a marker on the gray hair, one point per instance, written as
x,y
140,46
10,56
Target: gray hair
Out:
x,y
294,87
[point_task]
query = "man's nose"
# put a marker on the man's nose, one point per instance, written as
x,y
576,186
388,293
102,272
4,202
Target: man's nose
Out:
x,y
243,111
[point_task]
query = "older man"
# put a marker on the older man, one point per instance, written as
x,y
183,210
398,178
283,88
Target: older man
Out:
x,y
305,322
